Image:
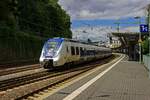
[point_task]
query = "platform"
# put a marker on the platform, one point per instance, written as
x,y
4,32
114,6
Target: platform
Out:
x,y
127,80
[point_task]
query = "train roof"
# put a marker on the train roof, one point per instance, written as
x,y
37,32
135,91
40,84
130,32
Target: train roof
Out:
x,y
65,39
70,40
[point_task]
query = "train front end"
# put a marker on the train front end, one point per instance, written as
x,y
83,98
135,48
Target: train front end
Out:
x,y
50,53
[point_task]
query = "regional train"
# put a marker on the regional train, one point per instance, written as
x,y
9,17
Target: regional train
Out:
x,y
57,52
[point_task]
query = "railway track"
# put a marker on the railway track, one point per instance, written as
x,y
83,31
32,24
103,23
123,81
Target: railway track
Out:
x,y
48,78
15,82
18,69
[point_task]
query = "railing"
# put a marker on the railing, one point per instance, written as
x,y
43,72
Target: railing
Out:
x,y
146,61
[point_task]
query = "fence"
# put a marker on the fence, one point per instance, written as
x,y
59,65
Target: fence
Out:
x,y
146,61
17,47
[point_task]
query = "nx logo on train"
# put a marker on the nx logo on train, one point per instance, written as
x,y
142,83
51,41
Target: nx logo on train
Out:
x,y
143,28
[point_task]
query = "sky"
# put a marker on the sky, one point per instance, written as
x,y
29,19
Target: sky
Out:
x,y
104,13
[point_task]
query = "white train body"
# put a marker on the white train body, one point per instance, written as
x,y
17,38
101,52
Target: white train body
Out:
x,y
60,51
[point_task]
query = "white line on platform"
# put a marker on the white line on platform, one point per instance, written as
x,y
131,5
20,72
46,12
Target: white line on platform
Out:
x,y
86,85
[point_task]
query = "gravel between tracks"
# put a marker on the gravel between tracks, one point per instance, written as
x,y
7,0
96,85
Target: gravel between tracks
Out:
x,y
7,71
20,91
20,74
29,88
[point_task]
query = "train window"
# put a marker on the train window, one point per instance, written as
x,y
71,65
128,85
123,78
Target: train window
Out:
x,y
81,51
84,52
67,49
77,50
72,50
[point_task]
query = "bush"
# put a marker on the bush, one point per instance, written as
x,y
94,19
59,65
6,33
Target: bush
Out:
x,y
145,46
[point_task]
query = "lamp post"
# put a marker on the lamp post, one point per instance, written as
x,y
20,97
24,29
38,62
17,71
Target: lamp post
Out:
x,y
140,47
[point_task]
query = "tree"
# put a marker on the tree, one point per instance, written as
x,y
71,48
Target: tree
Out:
x,y
45,17
145,46
7,17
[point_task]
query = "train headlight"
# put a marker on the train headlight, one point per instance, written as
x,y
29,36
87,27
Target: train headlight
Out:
x,y
56,58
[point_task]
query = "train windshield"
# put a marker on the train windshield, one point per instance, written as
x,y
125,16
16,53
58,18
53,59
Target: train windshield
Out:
x,y
50,48
51,45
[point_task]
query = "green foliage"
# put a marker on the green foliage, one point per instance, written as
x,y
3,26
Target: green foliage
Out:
x,y
44,17
6,17
145,46
41,17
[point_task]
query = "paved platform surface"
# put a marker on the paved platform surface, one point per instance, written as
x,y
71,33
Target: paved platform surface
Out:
x,y
128,80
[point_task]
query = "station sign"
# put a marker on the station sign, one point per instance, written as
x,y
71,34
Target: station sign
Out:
x,y
144,28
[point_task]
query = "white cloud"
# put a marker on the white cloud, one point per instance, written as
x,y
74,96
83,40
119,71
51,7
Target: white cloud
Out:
x,y
130,29
98,33
104,9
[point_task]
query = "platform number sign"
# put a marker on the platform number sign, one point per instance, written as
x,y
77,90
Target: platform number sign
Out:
x,y
143,28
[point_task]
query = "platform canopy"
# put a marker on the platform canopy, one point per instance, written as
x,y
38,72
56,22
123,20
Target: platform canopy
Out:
x,y
127,38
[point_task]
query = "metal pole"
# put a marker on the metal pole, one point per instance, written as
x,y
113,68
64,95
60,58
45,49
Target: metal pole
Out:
x,y
148,20
140,48
118,26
